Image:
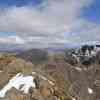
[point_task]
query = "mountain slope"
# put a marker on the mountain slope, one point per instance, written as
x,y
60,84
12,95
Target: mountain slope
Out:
x,y
34,55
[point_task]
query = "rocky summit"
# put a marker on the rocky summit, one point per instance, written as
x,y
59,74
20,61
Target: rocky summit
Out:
x,y
22,80
59,77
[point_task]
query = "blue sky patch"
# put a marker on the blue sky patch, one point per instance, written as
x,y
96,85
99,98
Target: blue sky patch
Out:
x,y
19,2
7,34
93,12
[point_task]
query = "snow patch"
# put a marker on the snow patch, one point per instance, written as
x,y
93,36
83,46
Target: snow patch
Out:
x,y
78,68
16,82
1,71
90,91
73,98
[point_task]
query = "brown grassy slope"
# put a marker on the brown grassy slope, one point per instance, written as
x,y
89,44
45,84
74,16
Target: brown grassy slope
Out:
x,y
10,66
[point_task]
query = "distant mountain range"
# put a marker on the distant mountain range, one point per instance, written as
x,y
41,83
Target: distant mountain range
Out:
x,y
34,55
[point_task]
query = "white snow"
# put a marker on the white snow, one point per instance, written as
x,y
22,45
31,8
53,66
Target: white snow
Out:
x,y
73,98
90,91
21,83
76,57
17,81
1,71
78,68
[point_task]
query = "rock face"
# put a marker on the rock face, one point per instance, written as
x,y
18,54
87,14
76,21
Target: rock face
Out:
x,y
85,55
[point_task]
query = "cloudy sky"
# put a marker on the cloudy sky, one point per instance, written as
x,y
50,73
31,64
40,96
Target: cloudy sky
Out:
x,y
48,23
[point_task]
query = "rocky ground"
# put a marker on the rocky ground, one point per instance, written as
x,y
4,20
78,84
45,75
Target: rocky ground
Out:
x,y
55,79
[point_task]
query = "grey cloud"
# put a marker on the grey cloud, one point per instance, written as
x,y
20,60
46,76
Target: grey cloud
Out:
x,y
11,40
85,31
46,26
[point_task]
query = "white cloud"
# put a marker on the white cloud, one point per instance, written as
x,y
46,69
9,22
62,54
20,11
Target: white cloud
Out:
x,y
11,40
85,31
48,26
